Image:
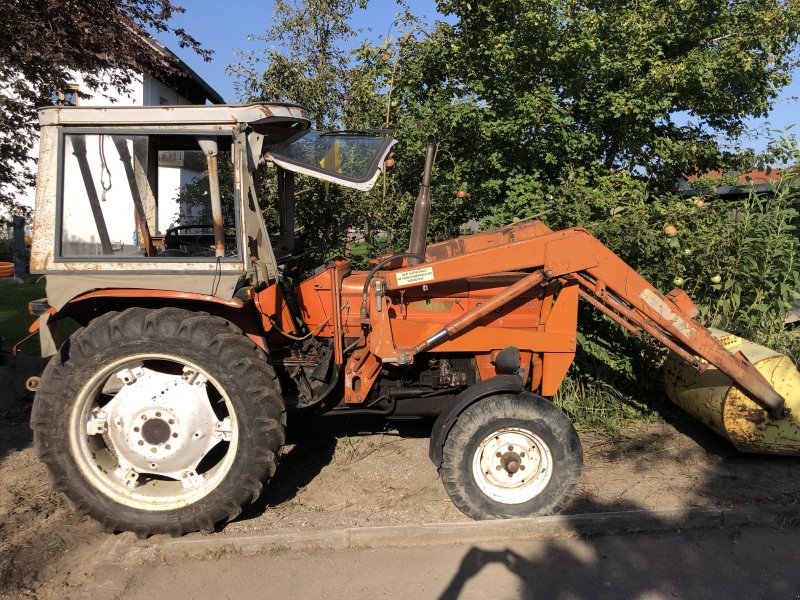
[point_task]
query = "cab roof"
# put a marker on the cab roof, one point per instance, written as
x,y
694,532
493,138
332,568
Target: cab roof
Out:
x,y
218,114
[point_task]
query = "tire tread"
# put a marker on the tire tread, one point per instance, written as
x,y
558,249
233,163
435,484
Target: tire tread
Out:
x,y
245,368
534,412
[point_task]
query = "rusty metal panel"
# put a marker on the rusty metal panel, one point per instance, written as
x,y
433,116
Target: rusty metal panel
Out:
x,y
482,339
61,288
168,115
260,257
488,239
561,320
315,297
45,207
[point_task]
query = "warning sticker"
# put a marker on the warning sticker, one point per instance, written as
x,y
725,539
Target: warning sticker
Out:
x,y
416,276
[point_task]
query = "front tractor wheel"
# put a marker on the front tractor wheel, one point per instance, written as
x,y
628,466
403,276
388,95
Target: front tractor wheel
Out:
x,y
511,456
159,421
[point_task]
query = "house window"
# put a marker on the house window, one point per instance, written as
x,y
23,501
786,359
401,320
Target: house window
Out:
x,y
66,97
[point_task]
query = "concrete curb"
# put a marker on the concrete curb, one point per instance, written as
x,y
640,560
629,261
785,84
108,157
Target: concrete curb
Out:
x,y
531,529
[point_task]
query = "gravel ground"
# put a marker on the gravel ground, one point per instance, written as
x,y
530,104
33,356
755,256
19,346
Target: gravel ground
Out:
x,y
350,472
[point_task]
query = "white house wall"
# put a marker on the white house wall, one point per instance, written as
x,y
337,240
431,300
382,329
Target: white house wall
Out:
x,y
144,91
80,231
155,93
170,182
113,96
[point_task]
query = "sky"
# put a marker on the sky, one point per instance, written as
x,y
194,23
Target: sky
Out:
x,y
224,27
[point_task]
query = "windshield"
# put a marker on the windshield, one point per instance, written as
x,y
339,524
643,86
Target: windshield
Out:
x,y
352,159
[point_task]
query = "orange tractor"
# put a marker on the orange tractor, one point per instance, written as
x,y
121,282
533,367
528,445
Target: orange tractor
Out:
x,y
166,411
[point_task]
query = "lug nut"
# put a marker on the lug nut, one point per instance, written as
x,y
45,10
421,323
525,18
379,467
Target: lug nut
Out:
x,y
141,443
153,449
499,454
175,434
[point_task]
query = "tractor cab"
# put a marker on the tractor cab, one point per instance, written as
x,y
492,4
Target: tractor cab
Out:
x,y
170,194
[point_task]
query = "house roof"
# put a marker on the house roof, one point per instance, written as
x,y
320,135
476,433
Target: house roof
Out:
x,y
187,83
755,176
761,181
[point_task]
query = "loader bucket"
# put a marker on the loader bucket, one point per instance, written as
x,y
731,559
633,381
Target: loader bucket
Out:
x,y
711,397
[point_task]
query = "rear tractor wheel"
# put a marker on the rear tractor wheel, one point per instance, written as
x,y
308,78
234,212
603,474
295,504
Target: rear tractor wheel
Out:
x,y
159,421
511,456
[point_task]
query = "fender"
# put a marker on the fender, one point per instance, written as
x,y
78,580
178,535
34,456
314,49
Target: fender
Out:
x,y
500,384
48,343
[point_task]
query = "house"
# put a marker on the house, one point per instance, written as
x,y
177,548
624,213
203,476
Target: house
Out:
x,y
735,185
147,89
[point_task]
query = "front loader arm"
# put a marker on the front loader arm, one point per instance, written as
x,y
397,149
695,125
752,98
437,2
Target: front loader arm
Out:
x,y
606,281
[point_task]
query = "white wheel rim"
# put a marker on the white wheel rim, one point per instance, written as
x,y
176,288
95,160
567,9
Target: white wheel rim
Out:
x,y
512,465
153,432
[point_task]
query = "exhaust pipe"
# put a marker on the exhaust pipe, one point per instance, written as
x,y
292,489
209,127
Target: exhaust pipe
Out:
x,y
422,209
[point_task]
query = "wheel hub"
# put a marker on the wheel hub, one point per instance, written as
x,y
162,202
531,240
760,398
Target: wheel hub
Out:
x,y
160,423
509,459
512,465
511,462
156,431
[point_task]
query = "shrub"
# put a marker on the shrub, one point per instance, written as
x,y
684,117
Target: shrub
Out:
x,y
738,260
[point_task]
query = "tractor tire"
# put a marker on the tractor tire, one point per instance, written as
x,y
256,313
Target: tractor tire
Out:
x,y
511,456
159,421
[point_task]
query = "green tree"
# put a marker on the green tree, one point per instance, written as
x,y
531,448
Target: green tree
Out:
x,y
305,61
533,94
308,62
43,41
549,107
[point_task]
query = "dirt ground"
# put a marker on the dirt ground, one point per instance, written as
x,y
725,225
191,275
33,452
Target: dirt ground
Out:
x,y
347,471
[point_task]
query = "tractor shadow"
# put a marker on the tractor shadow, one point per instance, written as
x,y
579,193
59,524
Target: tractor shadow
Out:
x,y
16,401
313,442
663,562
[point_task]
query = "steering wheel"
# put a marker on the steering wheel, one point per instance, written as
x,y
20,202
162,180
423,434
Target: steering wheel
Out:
x,y
197,244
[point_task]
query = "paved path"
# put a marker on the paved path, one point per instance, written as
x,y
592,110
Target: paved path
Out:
x,y
749,562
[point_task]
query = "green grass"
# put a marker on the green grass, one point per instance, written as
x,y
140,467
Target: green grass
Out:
x,y
14,317
594,405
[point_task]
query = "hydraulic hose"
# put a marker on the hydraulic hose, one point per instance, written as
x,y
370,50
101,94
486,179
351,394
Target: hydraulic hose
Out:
x,y
377,268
